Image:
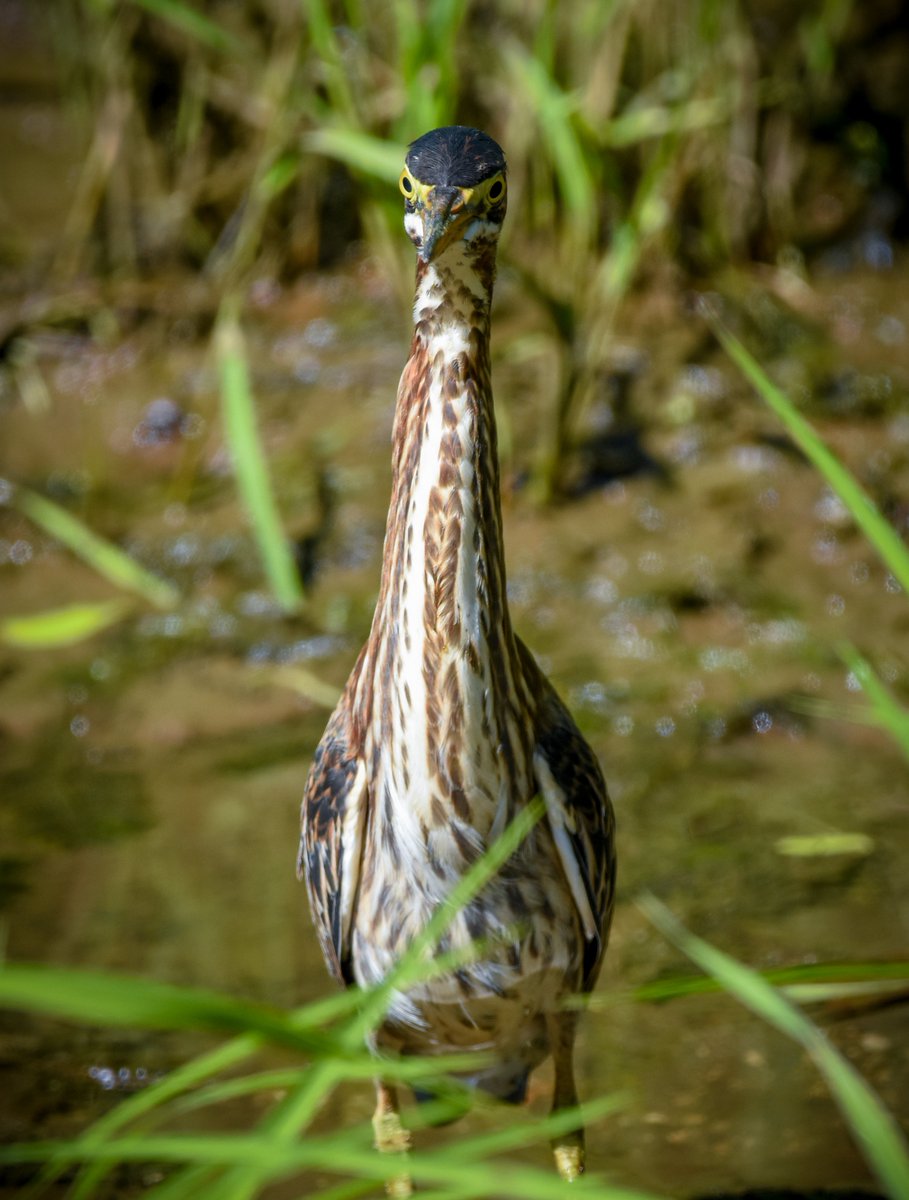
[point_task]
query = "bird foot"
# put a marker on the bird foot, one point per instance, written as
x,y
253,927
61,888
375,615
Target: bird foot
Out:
x,y
569,1159
392,1138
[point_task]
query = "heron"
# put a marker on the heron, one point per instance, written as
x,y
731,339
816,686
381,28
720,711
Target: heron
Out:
x,y
447,726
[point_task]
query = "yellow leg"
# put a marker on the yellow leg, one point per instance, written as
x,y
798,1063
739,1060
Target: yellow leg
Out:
x,y
567,1148
391,1138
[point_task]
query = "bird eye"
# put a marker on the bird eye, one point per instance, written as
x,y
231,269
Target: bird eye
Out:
x,y
406,185
497,191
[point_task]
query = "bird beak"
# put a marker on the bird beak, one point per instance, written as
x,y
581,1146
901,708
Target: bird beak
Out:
x,y
444,212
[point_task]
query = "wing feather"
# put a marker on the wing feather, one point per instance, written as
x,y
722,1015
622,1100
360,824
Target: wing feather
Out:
x,y
580,816
333,822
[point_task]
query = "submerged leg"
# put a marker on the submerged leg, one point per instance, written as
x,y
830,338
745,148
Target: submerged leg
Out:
x,y
391,1137
567,1148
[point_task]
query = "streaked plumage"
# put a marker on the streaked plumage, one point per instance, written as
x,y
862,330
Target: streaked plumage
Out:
x,y
447,727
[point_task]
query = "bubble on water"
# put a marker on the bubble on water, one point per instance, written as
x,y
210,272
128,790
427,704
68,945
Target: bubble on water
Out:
x,y
650,517
779,632
826,548
320,645
835,605
257,604
852,682
223,625
320,333
264,292
623,725
723,658
651,562
184,550
716,728
665,727
601,589
859,573
890,331
752,460
175,515
100,670
20,552
6,491
703,381
876,251
79,726
762,722
892,584
769,498
831,509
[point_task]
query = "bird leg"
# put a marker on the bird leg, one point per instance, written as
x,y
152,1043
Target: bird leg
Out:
x,y
391,1137
567,1148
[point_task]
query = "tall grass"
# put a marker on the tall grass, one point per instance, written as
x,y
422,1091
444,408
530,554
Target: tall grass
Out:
x,y
884,710
613,116
249,462
329,1034
875,1130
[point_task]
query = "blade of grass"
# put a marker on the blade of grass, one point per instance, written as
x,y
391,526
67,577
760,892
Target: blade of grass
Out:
x,y
106,999
864,511
887,713
878,1135
249,460
371,155
191,21
106,558
62,626
790,980
297,1109
355,1157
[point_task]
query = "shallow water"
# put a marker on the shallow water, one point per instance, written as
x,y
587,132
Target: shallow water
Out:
x,y
688,603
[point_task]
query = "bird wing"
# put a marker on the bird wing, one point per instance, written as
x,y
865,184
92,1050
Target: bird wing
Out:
x,y
580,818
334,810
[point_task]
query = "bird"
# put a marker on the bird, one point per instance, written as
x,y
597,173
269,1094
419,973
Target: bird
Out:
x,y
447,727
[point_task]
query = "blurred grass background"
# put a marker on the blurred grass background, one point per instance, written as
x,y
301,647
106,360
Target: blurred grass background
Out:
x,y
656,149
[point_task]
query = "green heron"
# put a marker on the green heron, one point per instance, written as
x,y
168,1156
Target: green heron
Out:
x,y
447,727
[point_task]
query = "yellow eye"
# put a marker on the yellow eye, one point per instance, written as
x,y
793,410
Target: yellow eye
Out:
x,y
405,183
497,191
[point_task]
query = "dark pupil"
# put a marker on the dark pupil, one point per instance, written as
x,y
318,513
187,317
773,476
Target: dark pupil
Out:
x,y
495,191
407,186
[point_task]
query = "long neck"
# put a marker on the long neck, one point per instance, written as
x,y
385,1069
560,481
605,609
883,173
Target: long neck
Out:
x,y
442,646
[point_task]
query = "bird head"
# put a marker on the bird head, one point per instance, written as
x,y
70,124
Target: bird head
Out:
x,y
454,189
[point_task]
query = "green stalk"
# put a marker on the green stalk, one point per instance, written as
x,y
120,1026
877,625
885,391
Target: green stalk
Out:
x,y
864,511
875,1130
106,558
249,461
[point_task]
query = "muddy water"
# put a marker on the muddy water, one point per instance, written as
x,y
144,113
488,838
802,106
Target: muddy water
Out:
x,y
688,602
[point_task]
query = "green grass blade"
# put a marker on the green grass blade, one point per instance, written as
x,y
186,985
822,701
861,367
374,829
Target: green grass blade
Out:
x,y
887,713
189,20
811,980
352,1156
249,461
106,558
882,1142
106,999
62,626
365,153
411,966
864,512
